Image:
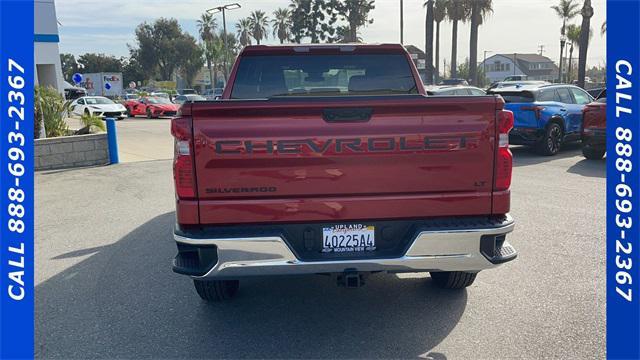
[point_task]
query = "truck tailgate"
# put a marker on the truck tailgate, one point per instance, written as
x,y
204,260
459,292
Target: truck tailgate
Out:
x,y
314,159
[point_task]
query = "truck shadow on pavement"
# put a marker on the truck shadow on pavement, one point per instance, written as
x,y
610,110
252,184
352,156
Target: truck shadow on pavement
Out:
x,y
125,302
590,168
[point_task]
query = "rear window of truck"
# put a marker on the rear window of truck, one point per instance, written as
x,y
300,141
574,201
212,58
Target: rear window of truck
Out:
x,y
268,76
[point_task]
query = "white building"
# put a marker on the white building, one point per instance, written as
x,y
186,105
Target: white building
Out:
x,y
534,66
45,47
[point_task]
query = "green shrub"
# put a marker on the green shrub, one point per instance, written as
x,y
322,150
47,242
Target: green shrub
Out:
x,y
91,123
51,106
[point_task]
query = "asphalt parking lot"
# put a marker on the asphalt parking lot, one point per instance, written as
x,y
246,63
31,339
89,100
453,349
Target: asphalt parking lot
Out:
x,y
105,289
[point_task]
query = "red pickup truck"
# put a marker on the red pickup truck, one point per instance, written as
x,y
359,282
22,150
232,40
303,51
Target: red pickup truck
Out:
x,y
594,128
331,159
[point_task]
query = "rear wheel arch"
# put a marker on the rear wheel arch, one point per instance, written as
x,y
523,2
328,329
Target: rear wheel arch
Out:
x,y
558,120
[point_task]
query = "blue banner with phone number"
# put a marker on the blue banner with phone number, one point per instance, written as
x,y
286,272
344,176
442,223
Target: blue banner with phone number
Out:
x,y
623,179
16,179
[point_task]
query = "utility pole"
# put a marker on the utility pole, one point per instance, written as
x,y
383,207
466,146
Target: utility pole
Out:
x,y
541,49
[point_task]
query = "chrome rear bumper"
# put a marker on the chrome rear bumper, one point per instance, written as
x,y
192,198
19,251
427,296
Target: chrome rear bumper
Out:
x,y
441,250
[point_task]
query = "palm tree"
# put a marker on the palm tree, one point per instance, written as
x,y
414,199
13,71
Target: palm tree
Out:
x,y
281,24
478,12
243,28
456,11
439,14
585,28
206,29
566,10
573,37
356,14
259,25
428,46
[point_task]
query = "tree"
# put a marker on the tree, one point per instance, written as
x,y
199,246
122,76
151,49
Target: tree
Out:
x,y
478,12
355,13
243,28
566,10
457,10
343,35
192,60
206,29
281,24
428,46
587,13
95,63
132,70
69,65
439,14
313,19
232,49
157,48
259,25
464,71
573,37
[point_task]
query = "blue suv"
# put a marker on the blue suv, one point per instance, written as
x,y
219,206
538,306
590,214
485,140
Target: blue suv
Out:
x,y
546,116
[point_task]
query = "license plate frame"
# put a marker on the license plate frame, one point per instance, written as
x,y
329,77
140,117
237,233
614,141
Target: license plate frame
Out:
x,y
348,238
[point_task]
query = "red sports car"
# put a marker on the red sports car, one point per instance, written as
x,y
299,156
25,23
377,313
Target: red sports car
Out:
x,y
151,106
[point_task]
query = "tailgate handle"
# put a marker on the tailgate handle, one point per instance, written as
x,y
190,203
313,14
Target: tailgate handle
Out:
x,y
347,115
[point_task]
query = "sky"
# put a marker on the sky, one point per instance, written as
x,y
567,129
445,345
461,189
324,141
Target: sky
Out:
x,y
515,26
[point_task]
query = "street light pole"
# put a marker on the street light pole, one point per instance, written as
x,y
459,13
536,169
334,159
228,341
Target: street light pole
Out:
x,y
484,65
562,41
226,50
224,34
401,22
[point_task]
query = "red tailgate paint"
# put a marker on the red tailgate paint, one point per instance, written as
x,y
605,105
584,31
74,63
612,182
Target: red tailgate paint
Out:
x,y
595,116
451,177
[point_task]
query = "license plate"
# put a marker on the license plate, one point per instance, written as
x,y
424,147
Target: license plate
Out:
x,y
348,238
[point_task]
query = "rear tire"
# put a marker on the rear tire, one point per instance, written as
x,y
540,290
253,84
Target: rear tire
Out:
x,y
453,279
592,153
216,290
551,143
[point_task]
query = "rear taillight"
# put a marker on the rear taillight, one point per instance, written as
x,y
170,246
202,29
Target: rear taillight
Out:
x,y
536,109
183,172
504,159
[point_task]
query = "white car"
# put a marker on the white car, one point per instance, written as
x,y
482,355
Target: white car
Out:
x,y
98,106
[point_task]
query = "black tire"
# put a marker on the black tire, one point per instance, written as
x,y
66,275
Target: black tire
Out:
x,y
87,112
216,290
149,114
129,112
592,153
453,279
551,143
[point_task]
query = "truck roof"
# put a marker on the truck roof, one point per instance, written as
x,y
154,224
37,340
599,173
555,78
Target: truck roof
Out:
x,y
321,48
